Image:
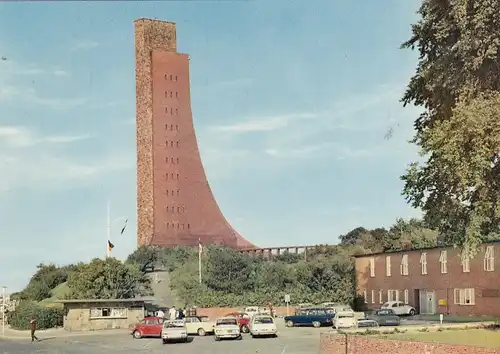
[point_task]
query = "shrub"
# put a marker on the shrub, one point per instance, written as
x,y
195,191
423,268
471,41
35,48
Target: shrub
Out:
x,y
47,317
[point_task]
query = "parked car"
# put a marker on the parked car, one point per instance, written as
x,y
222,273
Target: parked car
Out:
x,y
251,311
316,317
384,317
263,325
334,308
174,331
227,328
344,319
243,320
199,325
399,308
148,327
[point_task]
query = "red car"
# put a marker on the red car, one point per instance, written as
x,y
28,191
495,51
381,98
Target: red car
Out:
x,y
243,320
148,327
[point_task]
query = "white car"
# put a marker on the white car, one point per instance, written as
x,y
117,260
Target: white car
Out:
x,y
344,319
399,308
227,328
174,331
251,311
263,325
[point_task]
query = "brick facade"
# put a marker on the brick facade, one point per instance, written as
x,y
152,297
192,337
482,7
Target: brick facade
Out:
x,y
443,288
333,343
175,205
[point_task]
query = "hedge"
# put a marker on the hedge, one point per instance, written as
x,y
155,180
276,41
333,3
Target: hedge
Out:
x,y
47,317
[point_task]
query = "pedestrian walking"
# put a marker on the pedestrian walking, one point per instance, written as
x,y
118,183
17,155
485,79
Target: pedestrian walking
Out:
x,y
172,313
33,324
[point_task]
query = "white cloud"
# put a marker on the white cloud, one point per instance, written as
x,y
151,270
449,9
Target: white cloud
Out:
x,y
266,124
84,44
19,137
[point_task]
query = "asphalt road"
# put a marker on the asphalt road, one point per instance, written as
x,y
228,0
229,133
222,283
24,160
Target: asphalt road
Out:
x,y
289,341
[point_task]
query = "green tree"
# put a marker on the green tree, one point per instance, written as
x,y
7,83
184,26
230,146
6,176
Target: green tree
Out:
x,y
227,270
457,82
108,279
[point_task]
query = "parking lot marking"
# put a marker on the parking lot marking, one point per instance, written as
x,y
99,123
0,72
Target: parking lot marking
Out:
x,y
284,350
145,346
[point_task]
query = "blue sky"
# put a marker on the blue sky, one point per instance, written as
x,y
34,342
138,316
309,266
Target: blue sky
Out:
x,y
291,102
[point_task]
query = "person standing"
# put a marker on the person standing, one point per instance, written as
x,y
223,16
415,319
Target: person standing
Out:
x,y
33,324
160,314
172,313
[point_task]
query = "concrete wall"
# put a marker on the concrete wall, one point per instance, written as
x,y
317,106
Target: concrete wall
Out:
x,y
78,317
332,343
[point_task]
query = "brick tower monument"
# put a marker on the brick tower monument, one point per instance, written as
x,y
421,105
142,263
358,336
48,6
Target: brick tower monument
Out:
x,y
175,205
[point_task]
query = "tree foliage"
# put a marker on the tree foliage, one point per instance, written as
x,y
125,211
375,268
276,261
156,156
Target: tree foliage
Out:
x,y
457,81
47,317
108,279
324,273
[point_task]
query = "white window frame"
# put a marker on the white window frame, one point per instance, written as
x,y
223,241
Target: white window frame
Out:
x,y
392,295
108,312
443,260
365,296
464,297
465,264
388,266
372,267
489,259
423,262
406,296
373,296
380,296
404,265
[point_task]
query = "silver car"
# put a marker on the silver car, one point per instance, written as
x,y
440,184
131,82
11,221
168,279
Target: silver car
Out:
x,y
174,331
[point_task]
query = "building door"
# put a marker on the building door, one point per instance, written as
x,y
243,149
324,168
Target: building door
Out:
x,y
416,300
427,301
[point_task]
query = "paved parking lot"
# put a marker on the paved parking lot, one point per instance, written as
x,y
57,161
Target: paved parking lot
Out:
x,y
289,341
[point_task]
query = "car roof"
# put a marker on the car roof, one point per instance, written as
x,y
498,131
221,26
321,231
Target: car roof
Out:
x,y
227,318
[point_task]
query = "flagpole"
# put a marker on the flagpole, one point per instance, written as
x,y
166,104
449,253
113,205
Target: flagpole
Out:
x,y
108,229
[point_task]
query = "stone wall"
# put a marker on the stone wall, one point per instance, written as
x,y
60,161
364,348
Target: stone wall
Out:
x,y
333,343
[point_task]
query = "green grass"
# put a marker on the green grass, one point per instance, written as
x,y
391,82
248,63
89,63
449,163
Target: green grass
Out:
x,y
455,319
58,293
474,337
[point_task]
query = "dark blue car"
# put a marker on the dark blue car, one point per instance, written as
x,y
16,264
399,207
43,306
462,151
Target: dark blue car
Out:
x,y
315,317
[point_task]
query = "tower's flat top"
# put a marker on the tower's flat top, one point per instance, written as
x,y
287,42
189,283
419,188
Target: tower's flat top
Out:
x,y
153,20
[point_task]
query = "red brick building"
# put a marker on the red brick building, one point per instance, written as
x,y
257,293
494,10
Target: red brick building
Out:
x,y
433,280
175,205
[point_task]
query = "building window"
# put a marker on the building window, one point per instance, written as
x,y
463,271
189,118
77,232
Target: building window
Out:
x,y
166,94
406,296
372,267
189,226
380,297
443,259
177,192
464,296
177,111
108,312
392,295
388,266
364,296
170,77
175,77
177,144
176,127
423,263
177,95
404,264
489,259
465,263
373,296
177,176
166,110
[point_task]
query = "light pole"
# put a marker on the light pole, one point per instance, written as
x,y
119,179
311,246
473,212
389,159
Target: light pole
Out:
x,y
3,310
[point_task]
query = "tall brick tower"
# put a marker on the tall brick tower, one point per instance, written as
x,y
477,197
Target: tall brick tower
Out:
x,y
175,205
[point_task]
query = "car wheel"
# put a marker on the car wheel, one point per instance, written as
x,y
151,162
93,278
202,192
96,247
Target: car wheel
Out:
x,y
412,312
240,337
289,323
245,329
275,335
201,332
137,335
186,340
217,339
252,336
316,324
164,341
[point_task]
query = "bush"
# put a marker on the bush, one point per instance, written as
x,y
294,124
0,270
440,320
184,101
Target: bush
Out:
x,y
47,317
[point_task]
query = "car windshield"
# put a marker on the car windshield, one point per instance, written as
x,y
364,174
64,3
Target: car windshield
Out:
x,y
263,320
227,322
386,304
203,319
385,312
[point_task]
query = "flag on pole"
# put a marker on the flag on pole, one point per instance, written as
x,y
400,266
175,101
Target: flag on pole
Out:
x,y
124,227
110,246
200,247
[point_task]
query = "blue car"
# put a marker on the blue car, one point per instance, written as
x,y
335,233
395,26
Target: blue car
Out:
x,y
315,317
